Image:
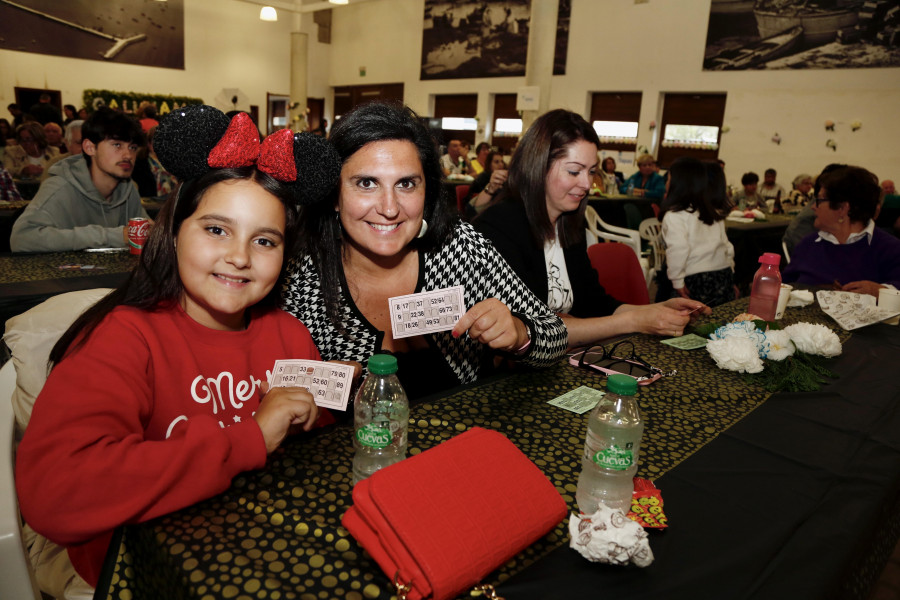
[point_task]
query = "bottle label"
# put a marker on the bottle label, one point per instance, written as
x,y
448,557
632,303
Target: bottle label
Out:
x,y
373,436
615,458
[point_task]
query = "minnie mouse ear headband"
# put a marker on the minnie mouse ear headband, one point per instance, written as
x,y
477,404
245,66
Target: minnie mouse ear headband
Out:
x,y
195,139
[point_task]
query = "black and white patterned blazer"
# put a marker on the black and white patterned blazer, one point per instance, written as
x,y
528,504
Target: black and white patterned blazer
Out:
x,y
469,260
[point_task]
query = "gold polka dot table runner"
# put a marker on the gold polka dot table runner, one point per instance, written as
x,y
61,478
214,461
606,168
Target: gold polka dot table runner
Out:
x,y
276,533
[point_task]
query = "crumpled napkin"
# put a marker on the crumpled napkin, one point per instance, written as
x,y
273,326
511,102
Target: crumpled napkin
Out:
x,y
800,298
608,536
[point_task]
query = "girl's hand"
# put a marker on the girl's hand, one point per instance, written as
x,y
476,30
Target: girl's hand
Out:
x,y
491,323
683,292
282,407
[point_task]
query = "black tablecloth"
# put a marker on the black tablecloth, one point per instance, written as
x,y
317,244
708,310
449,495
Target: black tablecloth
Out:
x,y
28,279
784,503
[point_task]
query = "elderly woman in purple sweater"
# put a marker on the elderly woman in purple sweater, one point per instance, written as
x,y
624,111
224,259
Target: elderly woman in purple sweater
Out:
x,y
847,248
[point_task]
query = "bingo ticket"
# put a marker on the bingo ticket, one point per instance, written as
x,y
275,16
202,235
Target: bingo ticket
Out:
x,y
427,312
329,383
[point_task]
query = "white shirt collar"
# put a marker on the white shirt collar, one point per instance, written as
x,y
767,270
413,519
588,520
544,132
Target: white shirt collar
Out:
x,y
854,237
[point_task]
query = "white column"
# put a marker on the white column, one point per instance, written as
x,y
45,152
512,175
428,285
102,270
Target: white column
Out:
x,y
541,48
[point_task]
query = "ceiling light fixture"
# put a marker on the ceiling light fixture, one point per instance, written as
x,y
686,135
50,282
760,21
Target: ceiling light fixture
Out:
x,y
338,1
267,13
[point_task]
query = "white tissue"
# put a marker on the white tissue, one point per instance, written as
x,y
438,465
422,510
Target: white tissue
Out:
x,y
610,537
800,298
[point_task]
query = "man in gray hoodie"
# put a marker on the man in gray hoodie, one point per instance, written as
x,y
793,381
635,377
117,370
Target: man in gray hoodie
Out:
x,y
87,200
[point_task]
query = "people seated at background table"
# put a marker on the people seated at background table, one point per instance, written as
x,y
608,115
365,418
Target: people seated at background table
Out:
x,y
608,179
488,184
647,182
389,232
454,162
481,161
802,223
748,198
149,175
72,141
847,249
8,191
699,257
88,199
539,228
801,194
45,111
770,189
158,395
54,134
70,113
30,157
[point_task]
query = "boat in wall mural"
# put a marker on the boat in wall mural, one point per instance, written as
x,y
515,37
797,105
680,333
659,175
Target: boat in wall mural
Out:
x,y
821,21
755,53
730,7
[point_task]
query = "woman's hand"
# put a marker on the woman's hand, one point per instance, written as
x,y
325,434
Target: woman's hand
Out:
x,y
498,178
667,318
490,323
683,292
282,407
863,287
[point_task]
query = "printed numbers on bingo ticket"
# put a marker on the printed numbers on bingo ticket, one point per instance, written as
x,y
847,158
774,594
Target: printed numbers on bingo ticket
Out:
x,y
327,382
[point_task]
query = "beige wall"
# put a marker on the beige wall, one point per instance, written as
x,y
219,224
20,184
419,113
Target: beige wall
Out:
x,y
614,45
657,47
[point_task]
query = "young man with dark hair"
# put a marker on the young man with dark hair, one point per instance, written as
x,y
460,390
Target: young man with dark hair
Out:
x,y
89,198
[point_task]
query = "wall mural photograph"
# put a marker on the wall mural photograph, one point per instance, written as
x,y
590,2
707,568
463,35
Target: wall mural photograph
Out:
x,y
123,31
486,38
802,34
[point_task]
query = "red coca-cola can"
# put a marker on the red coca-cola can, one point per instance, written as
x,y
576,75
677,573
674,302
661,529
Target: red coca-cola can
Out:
x,y
138,231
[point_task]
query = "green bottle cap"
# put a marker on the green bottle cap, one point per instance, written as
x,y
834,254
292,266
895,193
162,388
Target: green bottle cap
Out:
x,y
383,364
624,385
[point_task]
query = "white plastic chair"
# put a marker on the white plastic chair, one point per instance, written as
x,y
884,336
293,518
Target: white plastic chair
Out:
x,y
15,567
651,230
598,229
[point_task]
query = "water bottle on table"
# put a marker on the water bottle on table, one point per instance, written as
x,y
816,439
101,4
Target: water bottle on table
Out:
x,y
380,419
766,287
611,448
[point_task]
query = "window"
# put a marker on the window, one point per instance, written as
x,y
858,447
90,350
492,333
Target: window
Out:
x,y
615,117
457,113
691,125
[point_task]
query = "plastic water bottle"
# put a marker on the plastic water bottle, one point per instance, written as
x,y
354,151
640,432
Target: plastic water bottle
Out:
x,y
631,188
611,448
766,287
380,419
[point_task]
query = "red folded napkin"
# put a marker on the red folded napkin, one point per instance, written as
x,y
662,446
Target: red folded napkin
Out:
x,y
442,520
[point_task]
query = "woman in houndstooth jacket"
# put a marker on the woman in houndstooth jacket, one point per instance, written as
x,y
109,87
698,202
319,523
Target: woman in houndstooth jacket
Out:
x,y
389,232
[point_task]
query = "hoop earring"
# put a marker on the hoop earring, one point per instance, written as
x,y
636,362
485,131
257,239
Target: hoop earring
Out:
x,y
423,229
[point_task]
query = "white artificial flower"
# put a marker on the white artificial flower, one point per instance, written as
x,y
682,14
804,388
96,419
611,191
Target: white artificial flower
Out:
x,y
814,339
746,330
780,345
735,353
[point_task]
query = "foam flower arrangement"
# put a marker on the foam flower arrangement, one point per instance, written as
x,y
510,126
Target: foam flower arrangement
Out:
x,y
778,359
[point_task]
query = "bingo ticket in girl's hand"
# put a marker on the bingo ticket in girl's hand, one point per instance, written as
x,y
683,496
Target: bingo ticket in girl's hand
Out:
x,y
426,312
329,383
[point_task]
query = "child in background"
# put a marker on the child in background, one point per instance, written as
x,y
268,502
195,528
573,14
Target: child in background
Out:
x,y
748,198
158,395
699,257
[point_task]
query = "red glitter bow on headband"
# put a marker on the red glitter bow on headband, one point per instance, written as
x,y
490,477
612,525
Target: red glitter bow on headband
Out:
x,y
240,147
